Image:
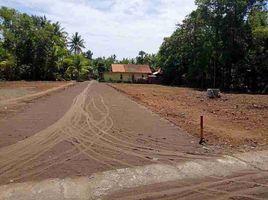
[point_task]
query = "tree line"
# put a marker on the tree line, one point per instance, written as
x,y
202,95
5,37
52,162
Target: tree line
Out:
x,y
222,44
102,64
34,48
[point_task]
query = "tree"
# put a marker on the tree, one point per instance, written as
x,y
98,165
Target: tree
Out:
x,y
7,62
76,43
78,67
59,31
256,68
220,44
88,54
33,47
140,57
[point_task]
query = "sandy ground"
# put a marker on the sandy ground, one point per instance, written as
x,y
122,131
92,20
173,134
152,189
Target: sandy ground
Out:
x,y
13,89
102,130
15,95
91,127
235,120
240,176
36,115
243,186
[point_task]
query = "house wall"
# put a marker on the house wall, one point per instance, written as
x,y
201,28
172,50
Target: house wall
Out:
x,y
127,77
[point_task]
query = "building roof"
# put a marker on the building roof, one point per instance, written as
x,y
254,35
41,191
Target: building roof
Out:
x,y
131,68
158,71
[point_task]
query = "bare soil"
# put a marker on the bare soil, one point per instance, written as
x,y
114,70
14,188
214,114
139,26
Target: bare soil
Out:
x,y
91,127
234,120
13,89
15,95
85,129
245,185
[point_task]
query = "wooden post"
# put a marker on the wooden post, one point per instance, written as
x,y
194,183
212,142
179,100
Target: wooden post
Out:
x,y
202,140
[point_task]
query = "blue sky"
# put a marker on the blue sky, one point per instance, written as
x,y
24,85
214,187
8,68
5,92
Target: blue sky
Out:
x,y
121,27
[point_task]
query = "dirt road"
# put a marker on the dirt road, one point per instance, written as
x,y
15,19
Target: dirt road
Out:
x,y
92,128
102,130
240,176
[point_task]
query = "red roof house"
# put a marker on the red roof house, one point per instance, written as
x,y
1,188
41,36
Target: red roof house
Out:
x,y
127,73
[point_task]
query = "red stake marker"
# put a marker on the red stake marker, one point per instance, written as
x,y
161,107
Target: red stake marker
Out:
x,y
202,140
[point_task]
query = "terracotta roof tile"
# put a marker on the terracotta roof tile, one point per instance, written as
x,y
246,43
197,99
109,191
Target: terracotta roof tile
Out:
x,y
131,68
118,68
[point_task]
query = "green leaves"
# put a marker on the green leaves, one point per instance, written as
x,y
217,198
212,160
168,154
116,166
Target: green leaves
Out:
x,y
217,44
76,43
7,61
258,20
37,49
77,67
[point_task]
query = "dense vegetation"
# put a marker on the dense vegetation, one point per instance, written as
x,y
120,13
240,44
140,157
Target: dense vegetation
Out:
x,y
34,48
223,43
104,64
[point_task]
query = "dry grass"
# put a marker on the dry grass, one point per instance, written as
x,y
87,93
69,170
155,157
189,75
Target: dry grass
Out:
x,y
234,119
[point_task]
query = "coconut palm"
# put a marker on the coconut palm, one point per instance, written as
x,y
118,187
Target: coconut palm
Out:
x,y
59,31
76,43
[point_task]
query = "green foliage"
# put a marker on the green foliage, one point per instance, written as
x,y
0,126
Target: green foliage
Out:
x,y
258,20
145,58
34,48
77,67
76,43
222,43
102,64
88,54
140,57
6,66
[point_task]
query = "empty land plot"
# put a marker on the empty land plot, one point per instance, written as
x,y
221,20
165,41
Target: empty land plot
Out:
x,y
14,89
102,130
14,94
239,120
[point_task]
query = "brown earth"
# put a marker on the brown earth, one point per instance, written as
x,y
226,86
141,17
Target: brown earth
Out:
x,y
14,95
31,85
101,130
14,89
90,127
234,120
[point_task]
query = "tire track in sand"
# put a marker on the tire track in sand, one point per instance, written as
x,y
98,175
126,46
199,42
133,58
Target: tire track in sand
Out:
x,y
87,126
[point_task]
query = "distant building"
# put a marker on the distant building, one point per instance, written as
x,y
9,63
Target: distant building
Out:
x,y
128,73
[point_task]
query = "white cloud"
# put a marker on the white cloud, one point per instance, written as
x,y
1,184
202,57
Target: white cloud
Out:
x,y
121,27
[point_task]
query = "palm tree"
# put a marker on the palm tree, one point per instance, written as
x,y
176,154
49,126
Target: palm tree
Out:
x,y
76,43
58,30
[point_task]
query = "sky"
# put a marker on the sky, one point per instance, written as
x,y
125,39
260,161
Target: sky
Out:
x,y
120,27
